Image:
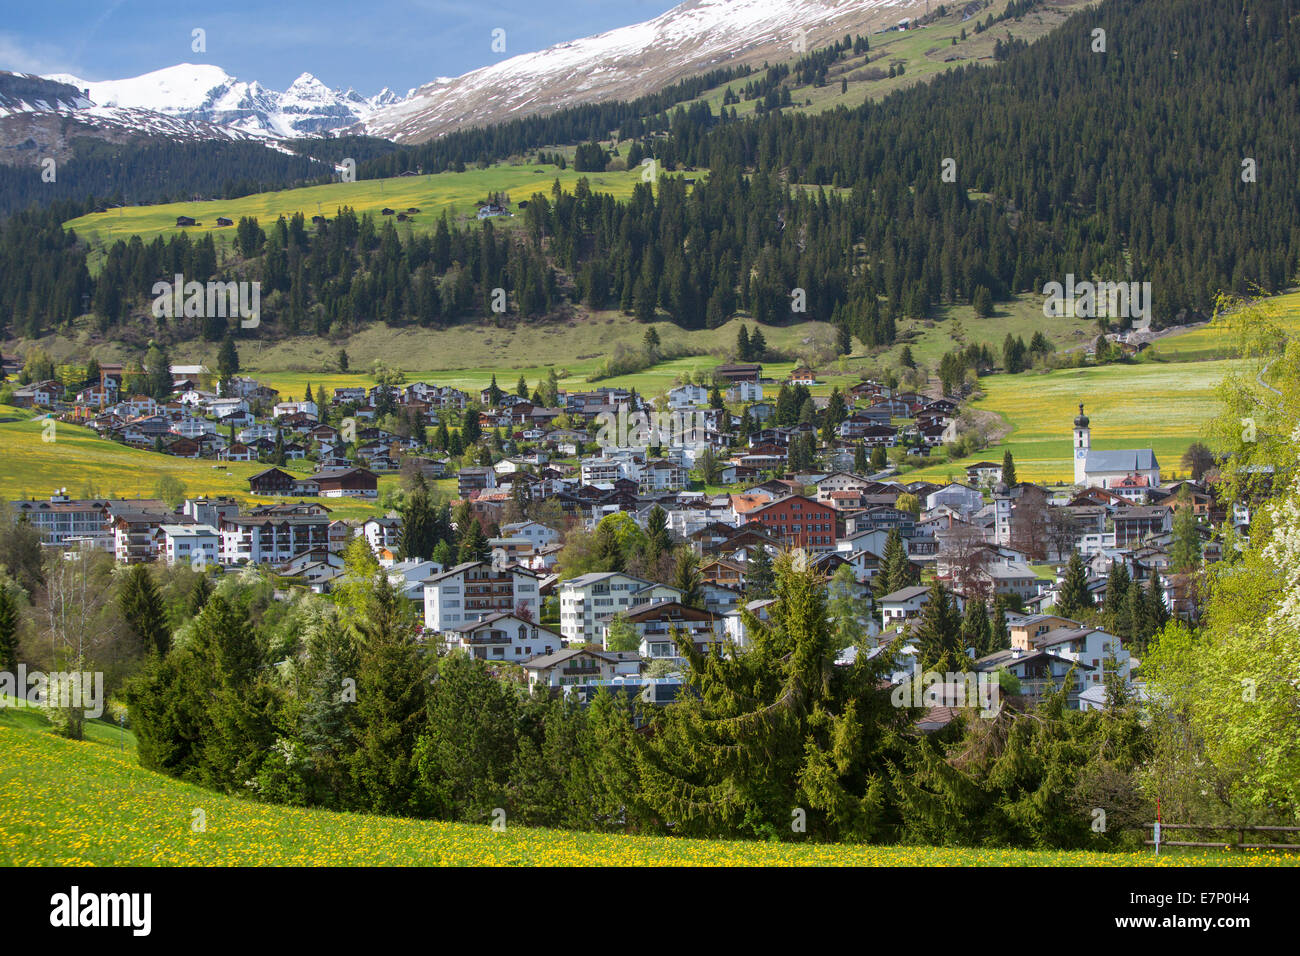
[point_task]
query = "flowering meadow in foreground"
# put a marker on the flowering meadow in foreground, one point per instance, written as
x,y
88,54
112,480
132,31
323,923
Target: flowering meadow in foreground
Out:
x,y
66,803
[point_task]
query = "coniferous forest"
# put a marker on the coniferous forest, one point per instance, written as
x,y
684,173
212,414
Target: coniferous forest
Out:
x,y
1126,165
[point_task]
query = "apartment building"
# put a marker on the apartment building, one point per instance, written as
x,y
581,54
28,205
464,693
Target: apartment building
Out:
x,y
475,590
271,539
588,598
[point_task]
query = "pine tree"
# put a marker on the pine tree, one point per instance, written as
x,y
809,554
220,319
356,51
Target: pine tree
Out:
x,y
8,630
142,610
758,574
742,344
1008,468
939,633
419,525
1116,607
1074,597
976,630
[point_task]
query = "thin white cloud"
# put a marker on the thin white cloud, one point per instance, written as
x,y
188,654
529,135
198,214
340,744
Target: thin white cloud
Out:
x,y
23,56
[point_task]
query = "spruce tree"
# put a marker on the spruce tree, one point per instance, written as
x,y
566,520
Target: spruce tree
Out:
x,y
1116,602
776,728
939,633
419,526
758,574
1008,468
142,610
8,630
1074,597
999,632
976,631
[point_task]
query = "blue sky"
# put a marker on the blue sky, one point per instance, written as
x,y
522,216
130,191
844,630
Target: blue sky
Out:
x,y
365,44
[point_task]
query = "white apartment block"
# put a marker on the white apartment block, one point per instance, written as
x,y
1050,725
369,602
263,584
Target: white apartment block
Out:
x,y
271,539
193,544
586,599
475,590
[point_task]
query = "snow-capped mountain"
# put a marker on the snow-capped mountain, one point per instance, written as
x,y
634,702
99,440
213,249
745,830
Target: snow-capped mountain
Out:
x,y
628,62
207,94
45,115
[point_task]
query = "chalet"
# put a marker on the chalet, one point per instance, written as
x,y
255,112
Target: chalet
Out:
x,y
386,211
489,210
39,394
803,375
223,221
571,667
347,483
185,221
504,637
739,372
272,481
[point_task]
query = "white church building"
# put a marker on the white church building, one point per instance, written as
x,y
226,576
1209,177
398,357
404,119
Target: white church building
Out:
x,y
1106,469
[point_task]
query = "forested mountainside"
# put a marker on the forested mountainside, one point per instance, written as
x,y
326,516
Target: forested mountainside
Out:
x,y
155,170
1126,164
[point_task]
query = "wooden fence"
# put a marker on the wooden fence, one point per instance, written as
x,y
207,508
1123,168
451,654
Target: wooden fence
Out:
x,y
1240,830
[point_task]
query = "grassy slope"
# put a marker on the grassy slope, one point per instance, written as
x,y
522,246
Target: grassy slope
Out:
x,y
1157,406
922,52
458,193
64,803
77,459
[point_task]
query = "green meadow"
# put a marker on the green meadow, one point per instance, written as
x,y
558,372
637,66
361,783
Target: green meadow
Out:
x,y
1162,406
457,194
82,462
88,803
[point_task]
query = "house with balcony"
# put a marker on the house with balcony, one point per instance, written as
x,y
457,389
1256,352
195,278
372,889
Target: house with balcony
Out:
x,y
655,624
133,535
589,598
271,538
572,667
1040,673
61,518
192,544
475,590
504,637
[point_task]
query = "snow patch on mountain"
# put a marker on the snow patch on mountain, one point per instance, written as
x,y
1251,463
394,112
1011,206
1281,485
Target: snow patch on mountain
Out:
x,y
208,94
628,62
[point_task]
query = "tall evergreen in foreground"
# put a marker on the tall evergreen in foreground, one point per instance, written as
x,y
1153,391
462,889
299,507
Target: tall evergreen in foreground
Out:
x,y
142,610
778,738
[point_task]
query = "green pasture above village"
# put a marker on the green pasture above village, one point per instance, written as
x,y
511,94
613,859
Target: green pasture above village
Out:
x,y
457,194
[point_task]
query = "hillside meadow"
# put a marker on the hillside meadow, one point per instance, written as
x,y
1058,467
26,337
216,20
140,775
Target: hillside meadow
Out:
x,y
1144,405
68,803
457,194
82,462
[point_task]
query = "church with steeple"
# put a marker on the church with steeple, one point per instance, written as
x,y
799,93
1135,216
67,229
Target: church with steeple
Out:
x,y
1129,467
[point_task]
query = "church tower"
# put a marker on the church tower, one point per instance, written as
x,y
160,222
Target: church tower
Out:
x,y
1082,442
1002,514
